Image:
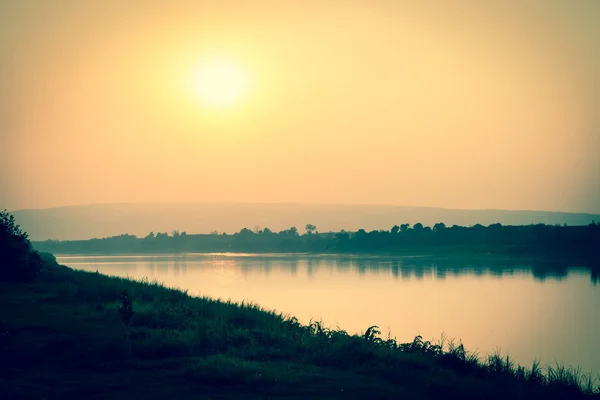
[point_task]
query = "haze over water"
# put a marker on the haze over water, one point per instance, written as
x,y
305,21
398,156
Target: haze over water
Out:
x,y
552,317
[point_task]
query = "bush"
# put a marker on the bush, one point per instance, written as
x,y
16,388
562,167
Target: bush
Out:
x,y
18,262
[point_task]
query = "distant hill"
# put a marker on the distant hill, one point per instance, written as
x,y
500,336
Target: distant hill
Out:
x,y
103,220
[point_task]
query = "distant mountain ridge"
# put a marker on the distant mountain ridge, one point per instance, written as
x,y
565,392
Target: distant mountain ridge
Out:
x,y
103,220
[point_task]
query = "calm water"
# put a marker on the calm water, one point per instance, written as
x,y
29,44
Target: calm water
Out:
x,y
519,310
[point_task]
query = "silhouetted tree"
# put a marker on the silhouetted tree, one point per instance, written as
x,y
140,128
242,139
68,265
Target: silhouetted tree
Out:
x,y
292,232
245,232
310,228
439,226
18,262
395,229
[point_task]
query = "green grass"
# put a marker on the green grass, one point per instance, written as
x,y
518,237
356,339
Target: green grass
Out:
x,y
63,337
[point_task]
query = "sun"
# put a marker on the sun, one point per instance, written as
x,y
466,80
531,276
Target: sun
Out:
x,y
220,83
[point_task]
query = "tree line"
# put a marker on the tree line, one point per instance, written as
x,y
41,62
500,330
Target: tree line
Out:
x,y
582,242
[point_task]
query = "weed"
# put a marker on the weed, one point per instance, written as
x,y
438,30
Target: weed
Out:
x,y
126,308
371,334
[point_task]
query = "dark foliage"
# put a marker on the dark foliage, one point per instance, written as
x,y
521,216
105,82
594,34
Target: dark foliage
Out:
x,y
18,263
576,243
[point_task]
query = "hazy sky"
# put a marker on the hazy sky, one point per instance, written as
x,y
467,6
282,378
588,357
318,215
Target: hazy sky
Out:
x,y
488,104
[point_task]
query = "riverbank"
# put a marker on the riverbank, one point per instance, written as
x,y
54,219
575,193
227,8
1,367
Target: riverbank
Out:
x,y
73,334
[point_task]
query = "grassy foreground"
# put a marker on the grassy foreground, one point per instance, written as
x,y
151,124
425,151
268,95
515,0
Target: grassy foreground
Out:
x,y
73,334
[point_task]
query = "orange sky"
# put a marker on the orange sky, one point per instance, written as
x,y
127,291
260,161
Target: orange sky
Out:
x,y
474,105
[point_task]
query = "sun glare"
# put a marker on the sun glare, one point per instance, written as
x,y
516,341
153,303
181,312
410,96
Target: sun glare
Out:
x,y
220,83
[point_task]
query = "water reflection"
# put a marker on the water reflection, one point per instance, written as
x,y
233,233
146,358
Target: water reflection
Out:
x,y
398,268
408,269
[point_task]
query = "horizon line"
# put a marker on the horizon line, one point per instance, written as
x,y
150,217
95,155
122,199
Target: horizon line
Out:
x,y
225,203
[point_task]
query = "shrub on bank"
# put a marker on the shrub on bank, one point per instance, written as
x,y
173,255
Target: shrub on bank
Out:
x,y
18,262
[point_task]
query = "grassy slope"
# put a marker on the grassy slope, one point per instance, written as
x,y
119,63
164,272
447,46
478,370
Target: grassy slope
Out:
x,y
62,337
